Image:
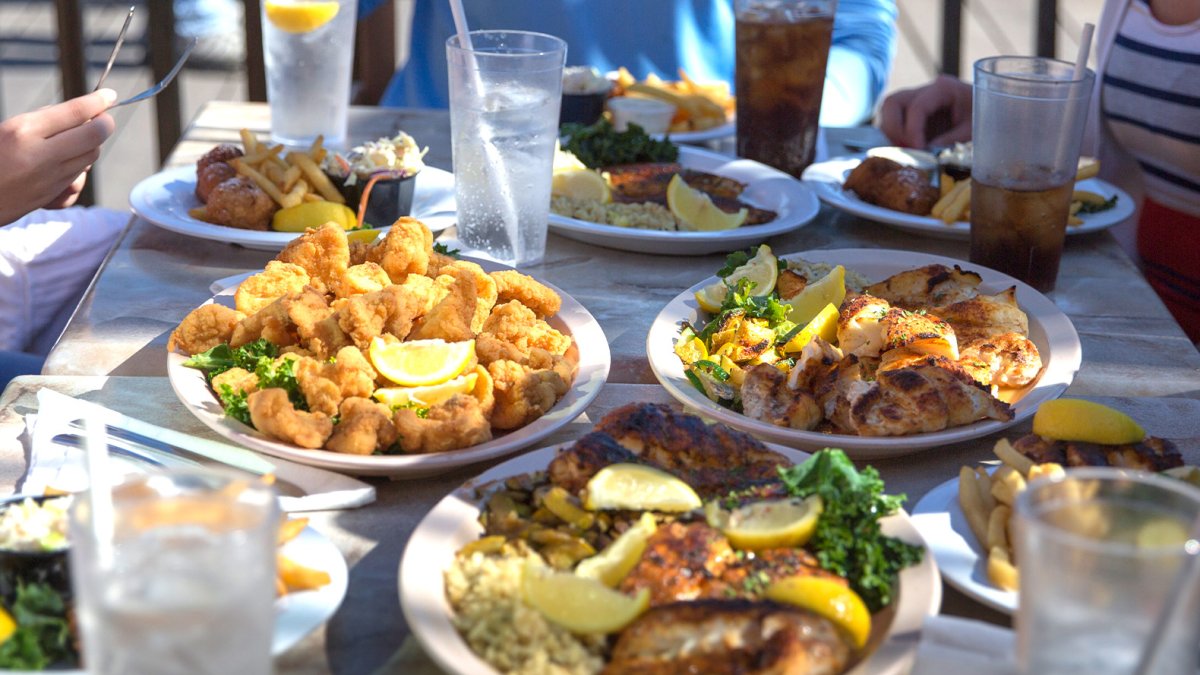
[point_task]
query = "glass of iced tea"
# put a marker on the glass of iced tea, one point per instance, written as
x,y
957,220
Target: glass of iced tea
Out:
x,y
1027,127
782,48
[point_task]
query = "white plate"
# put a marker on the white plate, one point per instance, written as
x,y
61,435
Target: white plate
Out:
x,y
826,179
296,614
1049,329
766,188
165,197
573,319
455,521
941,521
711,134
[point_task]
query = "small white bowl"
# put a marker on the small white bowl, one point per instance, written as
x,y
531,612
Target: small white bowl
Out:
x,y
652,115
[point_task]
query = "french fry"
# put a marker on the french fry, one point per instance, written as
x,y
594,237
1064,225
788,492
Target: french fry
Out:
x,y
983,482
1074,221
297,577
1007,483
291,177
199,213
249,142
1009,455
290,529
1088,167
972,505
316,177
946,184
959,200
997,528
260,180
1001,571
295,195
624,77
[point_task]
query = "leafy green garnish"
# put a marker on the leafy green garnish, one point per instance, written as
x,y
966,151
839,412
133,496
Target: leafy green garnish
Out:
x,y
223,357
439,247
848,540
258,357
599,145
1088,207
735,260
42,637
234,403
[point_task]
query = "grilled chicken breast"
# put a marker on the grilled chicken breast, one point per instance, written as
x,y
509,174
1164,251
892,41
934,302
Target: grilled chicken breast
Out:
x,y
767,397
983,316
889,184
929,286
918,333
1153,454
729,637
1007,360
860,327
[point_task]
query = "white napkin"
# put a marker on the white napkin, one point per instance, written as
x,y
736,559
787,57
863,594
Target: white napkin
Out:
x,y
62,467
952,644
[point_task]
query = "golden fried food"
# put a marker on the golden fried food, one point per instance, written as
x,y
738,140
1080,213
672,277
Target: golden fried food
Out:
x,y
458,422
221,154
363,427
512,285
273,414
361,278
238,202
522,393
886,183
516,324
390,311
209,177
237,379
404,250
451,317
324,253
277,280
326,384
204,328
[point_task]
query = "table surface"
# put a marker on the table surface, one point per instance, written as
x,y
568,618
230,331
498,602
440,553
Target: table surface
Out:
x,y
113,352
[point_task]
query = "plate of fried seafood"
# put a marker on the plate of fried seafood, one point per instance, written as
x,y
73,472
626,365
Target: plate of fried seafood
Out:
x,y
774,202
391,358
235,195
903,197
881,353
968,520
658,543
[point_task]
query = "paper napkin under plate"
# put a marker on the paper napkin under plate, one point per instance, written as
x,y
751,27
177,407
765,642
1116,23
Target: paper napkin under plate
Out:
x,y
56,466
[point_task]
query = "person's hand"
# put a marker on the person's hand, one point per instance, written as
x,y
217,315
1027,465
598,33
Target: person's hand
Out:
x,y
938,113
48,152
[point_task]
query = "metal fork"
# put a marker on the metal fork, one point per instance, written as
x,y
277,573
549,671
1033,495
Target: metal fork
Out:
x,y
112,58
162,84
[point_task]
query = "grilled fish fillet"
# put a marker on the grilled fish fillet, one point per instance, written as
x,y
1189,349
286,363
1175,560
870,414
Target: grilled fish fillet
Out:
x,y
729,637
918,332
889,184
860,327
1007,360
638,183
928,286
1153,454
984,316
767,397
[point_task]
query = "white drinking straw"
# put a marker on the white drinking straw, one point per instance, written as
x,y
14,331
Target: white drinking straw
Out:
x,y
1186,583
460,25
1081,59
100,511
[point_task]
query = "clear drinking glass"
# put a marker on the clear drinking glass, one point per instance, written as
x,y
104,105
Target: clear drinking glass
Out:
x,y
782,50
1026,128
1099,552
186,584
504,102
308,47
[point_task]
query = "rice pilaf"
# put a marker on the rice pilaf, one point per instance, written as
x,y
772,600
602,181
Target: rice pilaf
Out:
x,y
646,216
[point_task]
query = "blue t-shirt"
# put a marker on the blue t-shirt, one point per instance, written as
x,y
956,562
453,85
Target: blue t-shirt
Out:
x,y
658,37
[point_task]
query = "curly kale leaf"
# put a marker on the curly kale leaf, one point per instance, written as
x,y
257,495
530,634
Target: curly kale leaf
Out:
x,y
223,357
42,637
599,145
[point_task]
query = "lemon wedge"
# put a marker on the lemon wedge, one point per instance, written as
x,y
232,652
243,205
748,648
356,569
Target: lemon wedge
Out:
x,y
828,290
1072,419
8,626
829,599
636,486
614,563
565,160
581,184
776,523
363,236
696,211
307,215
824,325
1162,533
580,604
300,16
762,269
419,363
427,396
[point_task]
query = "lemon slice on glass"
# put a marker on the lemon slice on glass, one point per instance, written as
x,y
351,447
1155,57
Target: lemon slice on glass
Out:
x,y
1072,419
427,396
776,523
300,16
307,215
828,598
636,486
696,210
419,363
580,604
614,563
828,290
581,184
762,269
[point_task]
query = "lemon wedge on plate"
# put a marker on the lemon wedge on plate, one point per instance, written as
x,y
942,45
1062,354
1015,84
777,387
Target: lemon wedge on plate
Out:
x,y
426,396
300,16
828,598
776,523
580,604
614,563
636,486
828,290
696,211
824,325
1072,419
581,184
762,269
419,363
307,215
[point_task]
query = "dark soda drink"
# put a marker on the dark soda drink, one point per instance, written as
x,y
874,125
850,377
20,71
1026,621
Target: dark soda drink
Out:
x,y
781,56
1020,230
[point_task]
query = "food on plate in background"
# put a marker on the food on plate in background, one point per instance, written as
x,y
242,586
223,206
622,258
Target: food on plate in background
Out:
x,y
391,347
291,576
1067,433
887,183
650,114
625,178
698,105
583,96
34,524
670,536
377,178
815,347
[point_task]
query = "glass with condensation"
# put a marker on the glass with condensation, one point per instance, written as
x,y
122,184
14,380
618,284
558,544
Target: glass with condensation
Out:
x,y
1027,127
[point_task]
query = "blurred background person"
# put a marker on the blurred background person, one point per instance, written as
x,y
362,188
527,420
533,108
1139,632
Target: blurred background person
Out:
x,y
1143,125
48,257
650,37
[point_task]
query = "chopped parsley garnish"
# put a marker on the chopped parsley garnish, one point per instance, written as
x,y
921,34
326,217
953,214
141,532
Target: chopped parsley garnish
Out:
x,y
258,357
1090,207
439,247
600,145
42,637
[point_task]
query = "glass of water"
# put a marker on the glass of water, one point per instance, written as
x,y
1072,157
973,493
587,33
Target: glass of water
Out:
x,y
308,47
1101,553
184,581
505,95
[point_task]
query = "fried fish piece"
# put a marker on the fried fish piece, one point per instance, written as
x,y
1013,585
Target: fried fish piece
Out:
x,y
204,328
523,394
518,325
886,183
452,316
275,281
273,414
512,285
361,278
323,252
404,250
364,426
325,385
391,310
458,422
